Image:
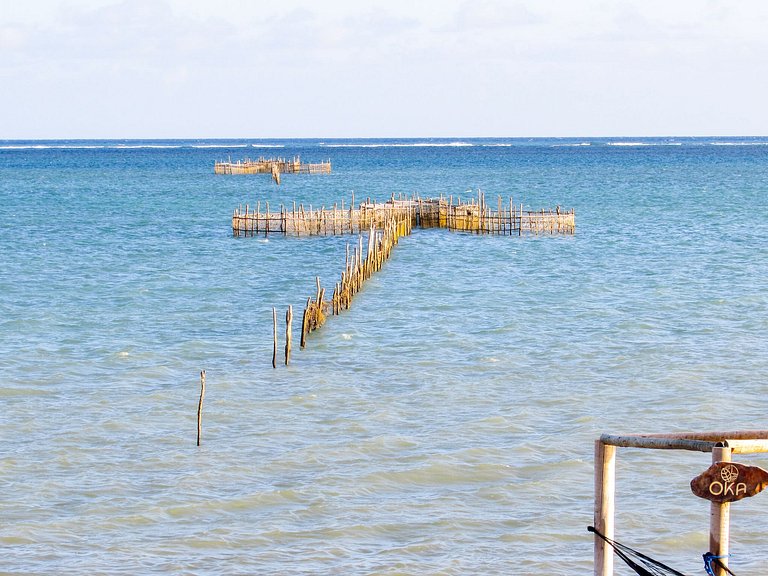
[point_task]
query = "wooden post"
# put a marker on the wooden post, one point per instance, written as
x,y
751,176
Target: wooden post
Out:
x,y
720,515
288,333
200,407
304,319
274,331
605,489
498,218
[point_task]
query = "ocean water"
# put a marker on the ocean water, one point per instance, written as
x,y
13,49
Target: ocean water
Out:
x,y
444,425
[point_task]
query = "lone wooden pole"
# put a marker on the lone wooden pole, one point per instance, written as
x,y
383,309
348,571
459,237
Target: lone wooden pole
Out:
x,y
720,516
200,407
274,340
288,334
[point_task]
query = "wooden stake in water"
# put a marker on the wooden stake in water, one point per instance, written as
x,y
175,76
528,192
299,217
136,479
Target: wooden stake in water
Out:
x,y
274,331
304,320
288,334
200,407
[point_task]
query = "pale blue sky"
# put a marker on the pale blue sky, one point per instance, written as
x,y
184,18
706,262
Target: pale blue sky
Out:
x,y
338,68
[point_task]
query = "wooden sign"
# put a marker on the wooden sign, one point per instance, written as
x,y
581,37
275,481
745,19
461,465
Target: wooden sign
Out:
x,y
729,481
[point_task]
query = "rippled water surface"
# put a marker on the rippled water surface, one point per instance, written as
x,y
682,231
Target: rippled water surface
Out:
x,y
443,425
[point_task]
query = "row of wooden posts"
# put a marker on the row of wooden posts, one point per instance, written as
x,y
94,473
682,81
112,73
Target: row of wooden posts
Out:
x,y
473,216
360,264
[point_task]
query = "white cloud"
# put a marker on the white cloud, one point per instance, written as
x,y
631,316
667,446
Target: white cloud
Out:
x,y
514,67
478,15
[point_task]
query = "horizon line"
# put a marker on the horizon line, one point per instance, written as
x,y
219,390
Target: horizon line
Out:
x,y
273,138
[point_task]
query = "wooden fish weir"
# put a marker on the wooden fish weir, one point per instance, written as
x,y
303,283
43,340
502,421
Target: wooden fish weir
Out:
x,y
474,216
359,266
274,166
384,224
478,217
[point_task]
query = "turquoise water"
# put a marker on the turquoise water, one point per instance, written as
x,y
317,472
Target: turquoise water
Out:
x,y
443,425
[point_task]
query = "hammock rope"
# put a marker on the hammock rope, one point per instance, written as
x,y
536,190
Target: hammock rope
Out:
x,y
647,566
710,560
640,563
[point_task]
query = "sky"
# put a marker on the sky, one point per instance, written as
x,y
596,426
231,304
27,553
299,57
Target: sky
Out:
x,y
400,68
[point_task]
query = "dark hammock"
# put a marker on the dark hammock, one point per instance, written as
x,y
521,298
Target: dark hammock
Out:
x,y
647,566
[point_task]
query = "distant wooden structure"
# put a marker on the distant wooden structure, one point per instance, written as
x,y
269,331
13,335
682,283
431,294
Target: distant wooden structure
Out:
x,y
273,166
385,223
474,216
720,444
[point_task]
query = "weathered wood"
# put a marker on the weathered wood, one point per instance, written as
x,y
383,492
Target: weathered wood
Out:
x,y
712,436
288,333
304,324
200,407
741,441
664,443
274,339
747,446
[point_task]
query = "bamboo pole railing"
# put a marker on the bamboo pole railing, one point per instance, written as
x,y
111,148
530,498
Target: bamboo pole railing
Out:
x,y
720,444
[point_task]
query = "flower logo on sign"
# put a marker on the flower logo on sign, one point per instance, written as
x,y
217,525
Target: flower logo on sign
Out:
x,y
729,473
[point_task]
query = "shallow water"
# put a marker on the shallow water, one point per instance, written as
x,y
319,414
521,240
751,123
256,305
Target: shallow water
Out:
x,y
443,425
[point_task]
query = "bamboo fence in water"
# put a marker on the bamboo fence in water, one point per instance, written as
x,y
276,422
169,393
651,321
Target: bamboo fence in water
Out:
x,y
360,264
365,259
273,166
474,216
379,227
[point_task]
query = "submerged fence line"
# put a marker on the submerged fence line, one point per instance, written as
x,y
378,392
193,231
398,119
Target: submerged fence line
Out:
x,y
474,216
